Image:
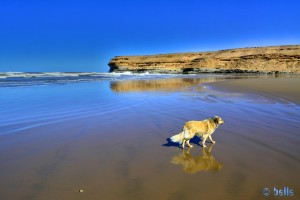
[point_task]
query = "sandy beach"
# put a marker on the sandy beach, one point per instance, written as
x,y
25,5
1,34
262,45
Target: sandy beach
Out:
x,y
109,139
283,88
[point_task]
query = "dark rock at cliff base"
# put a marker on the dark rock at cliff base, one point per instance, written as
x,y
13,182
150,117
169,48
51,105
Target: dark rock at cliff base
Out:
x,y
274,59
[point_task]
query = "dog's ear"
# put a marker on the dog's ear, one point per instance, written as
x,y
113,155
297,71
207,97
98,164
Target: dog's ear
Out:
x,y
216,119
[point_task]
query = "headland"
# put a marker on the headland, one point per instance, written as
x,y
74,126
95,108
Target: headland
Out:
x,y
272,59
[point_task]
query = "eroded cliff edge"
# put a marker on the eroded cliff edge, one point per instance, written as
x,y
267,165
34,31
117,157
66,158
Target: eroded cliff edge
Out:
x,y
275,59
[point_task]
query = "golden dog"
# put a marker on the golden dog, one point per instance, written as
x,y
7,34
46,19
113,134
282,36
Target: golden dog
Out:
x,y
202,129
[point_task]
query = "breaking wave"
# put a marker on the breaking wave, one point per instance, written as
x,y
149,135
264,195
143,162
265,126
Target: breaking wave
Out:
x,y
13,79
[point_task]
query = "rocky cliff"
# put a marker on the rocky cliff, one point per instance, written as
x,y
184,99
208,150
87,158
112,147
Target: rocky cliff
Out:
x,y
275,59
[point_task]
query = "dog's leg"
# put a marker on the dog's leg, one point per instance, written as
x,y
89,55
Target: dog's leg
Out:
x,y
211,139
188,143
183,143
203,141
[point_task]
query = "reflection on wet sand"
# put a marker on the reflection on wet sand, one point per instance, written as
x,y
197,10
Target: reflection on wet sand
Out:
x,y
202,88
193,164
167,85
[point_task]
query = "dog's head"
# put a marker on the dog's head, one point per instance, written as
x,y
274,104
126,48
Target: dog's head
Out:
x,y
218,120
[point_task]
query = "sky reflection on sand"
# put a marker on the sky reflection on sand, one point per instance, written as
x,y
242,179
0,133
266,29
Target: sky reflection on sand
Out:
x,y
109,139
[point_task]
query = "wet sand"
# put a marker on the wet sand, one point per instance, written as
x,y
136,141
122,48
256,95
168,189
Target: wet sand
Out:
x,y
113,144
285,88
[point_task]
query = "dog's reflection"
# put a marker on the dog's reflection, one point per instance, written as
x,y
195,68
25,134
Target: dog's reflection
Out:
x,y
193,164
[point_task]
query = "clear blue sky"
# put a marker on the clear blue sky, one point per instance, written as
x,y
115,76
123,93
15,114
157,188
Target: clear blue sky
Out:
x,y
82,35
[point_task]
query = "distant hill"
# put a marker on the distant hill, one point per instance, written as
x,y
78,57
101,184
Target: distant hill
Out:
x,y
273,59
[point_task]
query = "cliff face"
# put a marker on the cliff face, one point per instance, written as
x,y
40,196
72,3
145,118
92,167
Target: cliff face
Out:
x,y
275,59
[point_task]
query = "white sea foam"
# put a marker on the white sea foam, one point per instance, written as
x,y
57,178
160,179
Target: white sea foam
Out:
x,y
72,74
45,74
13,79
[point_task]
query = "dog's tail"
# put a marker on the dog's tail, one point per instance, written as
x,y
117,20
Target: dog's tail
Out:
x,y
177,138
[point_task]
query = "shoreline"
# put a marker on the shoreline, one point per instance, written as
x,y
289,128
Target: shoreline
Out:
x,y
206,71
